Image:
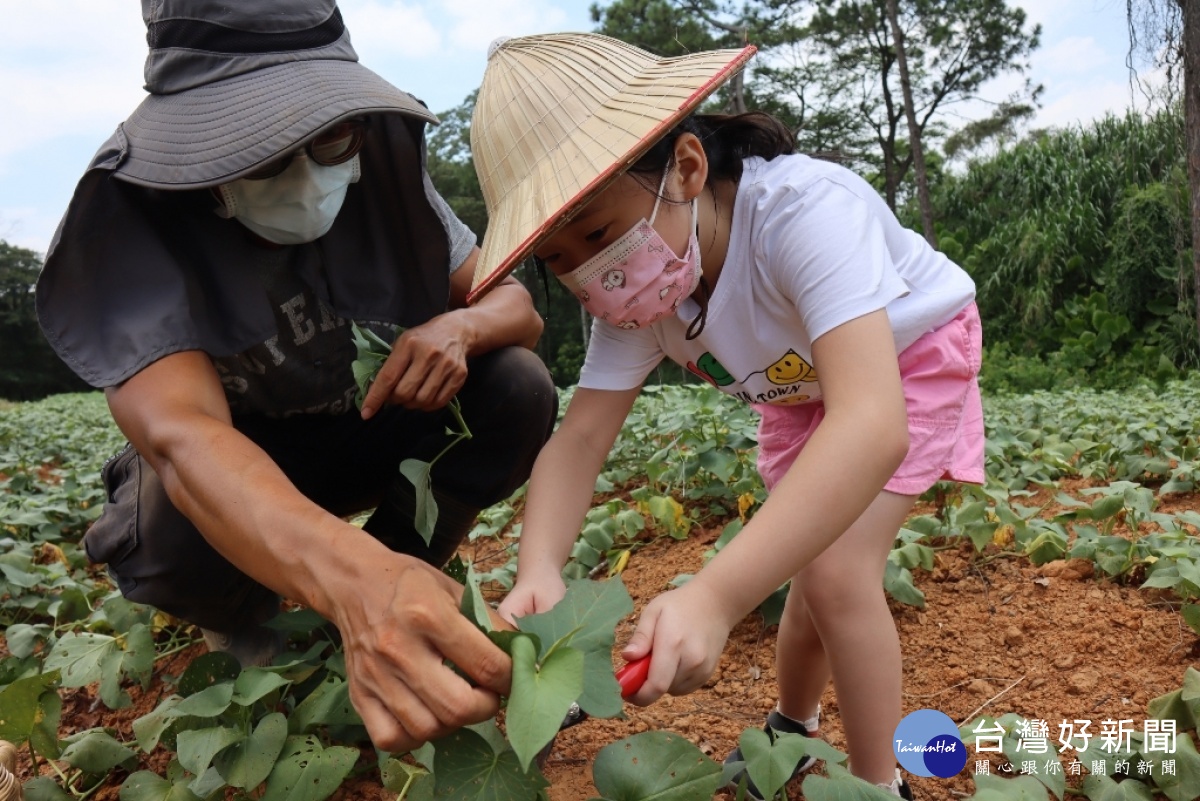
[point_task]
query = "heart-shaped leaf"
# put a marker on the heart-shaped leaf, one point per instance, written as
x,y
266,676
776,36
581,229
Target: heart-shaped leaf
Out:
x,y
197,747
19,706
147,786
541,696
307,771
840,785
248,763
1102,788
469,769
592,610
96,752
417,472
80,657
327,705
655,765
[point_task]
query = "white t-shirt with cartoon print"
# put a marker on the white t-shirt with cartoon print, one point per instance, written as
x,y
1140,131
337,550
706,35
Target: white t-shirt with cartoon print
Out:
x,y
811,246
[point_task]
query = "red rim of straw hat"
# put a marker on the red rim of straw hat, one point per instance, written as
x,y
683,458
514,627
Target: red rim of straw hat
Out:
x,y
568,209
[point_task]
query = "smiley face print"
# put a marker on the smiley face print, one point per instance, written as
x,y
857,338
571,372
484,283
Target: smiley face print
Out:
x,y
789,369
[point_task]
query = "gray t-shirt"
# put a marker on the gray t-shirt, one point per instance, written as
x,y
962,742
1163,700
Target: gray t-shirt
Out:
x,y
304,368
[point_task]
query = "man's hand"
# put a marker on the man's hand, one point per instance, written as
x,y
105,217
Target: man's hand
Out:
x,y
398,634
426,368
428,364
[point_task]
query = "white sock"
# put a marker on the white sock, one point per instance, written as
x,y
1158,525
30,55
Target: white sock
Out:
x,y
894,786
811,724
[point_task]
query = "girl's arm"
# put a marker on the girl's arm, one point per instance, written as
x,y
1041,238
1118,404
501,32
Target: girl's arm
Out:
x,y
843,467
560,493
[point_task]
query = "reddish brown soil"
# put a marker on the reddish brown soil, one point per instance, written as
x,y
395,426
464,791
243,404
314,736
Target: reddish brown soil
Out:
x,y
997,635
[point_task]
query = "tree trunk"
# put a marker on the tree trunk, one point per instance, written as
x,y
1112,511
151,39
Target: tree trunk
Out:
x,y
914,131
1191,93
738,92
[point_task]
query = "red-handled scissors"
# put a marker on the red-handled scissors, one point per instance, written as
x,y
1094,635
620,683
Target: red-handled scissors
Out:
x,y
632,675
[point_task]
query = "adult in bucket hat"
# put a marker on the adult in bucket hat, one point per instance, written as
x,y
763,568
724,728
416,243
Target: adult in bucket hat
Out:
x,y
783,281
267,192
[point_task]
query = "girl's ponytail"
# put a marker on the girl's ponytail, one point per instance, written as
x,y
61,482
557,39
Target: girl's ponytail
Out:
x,y
727,139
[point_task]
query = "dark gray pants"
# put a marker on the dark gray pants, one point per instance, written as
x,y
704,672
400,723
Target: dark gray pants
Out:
x,y
346,465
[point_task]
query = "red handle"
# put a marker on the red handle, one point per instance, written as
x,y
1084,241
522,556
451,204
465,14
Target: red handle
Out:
x,y
633,675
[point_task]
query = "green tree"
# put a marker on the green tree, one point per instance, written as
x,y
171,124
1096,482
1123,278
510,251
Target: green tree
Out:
x,y
829,70
29,368
1063,214
910,117
675,27
953,48
1000,127
660,26
783,81
1167,33
451,168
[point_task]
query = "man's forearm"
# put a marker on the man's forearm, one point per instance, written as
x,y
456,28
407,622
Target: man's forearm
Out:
x,y
504,317
249,511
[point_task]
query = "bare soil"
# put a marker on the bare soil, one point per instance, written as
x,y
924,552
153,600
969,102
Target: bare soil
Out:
x,y
997,635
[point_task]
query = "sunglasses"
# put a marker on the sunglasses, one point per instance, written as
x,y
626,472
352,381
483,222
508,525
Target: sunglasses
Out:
x,y
337,145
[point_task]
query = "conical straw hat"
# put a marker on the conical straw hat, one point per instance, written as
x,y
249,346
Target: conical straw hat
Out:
x,y
559,116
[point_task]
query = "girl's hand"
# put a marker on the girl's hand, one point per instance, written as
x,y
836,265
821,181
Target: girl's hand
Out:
x,y
532,596
686,629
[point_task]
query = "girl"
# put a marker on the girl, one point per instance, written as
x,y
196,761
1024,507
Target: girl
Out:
x,y
784,281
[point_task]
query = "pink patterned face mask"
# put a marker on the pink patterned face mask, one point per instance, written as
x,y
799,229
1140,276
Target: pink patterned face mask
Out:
x,y
637,280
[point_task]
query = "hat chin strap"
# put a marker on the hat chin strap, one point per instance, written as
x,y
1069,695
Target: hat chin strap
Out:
x,y
227,209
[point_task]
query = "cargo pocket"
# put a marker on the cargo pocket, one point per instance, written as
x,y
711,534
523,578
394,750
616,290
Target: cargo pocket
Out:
x,y
114,534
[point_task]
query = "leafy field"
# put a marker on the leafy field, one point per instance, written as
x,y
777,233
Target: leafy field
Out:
x,y
107,698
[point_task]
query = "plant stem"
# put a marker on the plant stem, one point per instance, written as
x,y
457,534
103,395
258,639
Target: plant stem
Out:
x,y
95,787
456,408
66,782
175,650
983,560
463,431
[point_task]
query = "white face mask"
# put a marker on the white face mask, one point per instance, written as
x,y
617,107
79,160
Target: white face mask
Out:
x,y
296,206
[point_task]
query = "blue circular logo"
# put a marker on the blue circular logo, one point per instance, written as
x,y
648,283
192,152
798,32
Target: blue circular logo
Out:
x,y
927,744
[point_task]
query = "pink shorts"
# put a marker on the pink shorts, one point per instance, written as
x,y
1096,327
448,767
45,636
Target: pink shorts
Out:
x,y
945,413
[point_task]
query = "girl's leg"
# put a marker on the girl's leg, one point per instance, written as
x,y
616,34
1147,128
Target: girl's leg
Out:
x,y
800,660
843,594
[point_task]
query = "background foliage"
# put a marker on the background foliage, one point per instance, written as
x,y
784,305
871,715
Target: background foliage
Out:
x,y
28,367
1078,238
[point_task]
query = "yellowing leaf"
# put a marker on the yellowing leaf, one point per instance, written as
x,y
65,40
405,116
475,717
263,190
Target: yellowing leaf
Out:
x,y
619,565
746,502
1003,536
52,551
